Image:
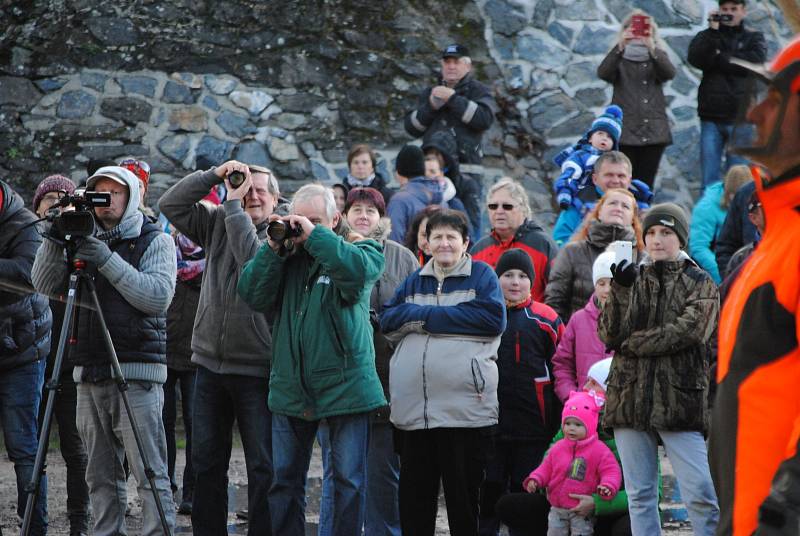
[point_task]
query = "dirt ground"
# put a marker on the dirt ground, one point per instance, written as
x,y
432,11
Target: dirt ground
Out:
x,y
237,499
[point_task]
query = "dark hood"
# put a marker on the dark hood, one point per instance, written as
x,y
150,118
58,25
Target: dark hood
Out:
x,y
12,203
445,142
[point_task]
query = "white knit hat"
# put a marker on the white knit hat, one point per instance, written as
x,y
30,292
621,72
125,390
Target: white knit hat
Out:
x,y
602,265
599,372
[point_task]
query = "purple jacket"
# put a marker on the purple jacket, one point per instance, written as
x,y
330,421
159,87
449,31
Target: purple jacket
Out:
x,y
579,349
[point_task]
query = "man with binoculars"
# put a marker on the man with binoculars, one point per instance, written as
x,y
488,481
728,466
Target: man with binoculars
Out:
x,y
231,343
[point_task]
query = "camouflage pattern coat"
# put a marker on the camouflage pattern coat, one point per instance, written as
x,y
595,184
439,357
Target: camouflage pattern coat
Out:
x,y
659,329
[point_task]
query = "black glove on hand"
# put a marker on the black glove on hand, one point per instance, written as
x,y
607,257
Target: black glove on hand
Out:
x,y
93,250
624,273
777,519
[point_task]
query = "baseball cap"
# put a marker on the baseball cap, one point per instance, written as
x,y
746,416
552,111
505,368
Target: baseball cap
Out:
x,y
455,51
115,173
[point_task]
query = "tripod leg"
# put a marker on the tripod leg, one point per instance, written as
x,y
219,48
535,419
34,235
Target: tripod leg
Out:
x,y
123,390
52,387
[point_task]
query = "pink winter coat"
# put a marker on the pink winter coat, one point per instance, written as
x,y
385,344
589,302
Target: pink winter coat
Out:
x,y
576,467
579,349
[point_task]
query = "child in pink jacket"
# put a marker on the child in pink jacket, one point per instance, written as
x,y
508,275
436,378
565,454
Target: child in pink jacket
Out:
x,y
580,463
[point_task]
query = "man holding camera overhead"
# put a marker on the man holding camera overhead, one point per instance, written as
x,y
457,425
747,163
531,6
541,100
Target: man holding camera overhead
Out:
x,y
231,343
133,265
318,284
723,84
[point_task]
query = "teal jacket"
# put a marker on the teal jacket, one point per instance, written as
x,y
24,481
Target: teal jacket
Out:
x,y
707,219
323,358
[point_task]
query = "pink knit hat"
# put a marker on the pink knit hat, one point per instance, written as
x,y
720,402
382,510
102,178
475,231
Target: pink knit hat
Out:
x,y
582,406
53,183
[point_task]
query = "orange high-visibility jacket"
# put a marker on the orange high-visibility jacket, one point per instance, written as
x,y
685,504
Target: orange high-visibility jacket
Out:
x,y
756,419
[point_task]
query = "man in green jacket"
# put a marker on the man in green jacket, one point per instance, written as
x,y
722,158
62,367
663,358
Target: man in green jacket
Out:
x,y
318,285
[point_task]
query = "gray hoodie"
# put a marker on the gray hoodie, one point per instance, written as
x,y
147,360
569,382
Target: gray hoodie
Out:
x,y
229,337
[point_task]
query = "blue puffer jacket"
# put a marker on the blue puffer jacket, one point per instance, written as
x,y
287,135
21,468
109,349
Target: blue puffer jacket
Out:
x,y
25,318
707,219
417,194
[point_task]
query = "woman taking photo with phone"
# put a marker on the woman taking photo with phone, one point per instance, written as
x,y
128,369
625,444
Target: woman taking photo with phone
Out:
x,y
638,66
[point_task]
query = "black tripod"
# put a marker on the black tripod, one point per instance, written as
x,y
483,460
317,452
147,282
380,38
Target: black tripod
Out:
x,y
78,273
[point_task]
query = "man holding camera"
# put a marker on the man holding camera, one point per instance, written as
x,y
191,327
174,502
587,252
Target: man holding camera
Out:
x,y
231,342
133,265
25,322
318,284
724,83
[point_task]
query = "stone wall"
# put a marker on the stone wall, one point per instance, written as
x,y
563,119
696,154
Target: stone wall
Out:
x,y
293,85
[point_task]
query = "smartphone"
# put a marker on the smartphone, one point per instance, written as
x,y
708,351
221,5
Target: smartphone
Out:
x,y
623,250
640,26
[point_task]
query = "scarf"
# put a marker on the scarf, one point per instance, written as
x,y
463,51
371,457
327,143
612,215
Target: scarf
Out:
x,y
191,258
636,52
359,183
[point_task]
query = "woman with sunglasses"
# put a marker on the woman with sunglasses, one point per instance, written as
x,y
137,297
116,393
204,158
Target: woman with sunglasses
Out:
x,y
513,227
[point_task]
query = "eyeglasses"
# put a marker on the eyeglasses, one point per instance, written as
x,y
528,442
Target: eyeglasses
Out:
x,y
752,207
506,206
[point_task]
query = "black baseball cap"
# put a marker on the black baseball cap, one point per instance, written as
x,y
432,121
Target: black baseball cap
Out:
x,y
741,2
455,51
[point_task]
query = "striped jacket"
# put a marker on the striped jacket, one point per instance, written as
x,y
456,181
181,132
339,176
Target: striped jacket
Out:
x,y
443,372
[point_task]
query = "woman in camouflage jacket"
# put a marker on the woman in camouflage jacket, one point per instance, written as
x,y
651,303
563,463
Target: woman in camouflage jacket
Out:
x,y
658,319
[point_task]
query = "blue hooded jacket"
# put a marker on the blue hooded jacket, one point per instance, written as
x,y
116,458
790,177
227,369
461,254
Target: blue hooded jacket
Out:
x,y
417,194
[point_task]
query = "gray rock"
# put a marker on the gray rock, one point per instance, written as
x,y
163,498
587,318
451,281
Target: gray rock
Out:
x,y
504,46
38,122
191,80
290,121
684,113
561,33
597,41
550,110
684,151
176,93
417,70
541,13
340,172
15,90
252,101
591,97
279,132
175,147
319,171
112,152
690,9
126,109
505,19
211,103
581,10
218,85
252,152
76,105
679,44
581,73
542,81
282,151
300,102
234,125
308,149
95,81
542,51
114,31
363,64
143,85
51,84
335,156
574,128
213,150
516,80
189,119
682,83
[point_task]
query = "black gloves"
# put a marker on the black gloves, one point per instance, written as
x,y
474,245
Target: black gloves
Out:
x,y
624,273
777,519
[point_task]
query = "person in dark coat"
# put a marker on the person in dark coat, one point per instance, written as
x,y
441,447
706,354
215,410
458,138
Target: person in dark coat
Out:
x,y
362,172
724,84
737,230
25,322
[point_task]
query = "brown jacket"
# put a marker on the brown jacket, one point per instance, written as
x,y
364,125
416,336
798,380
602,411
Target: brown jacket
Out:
x,y
659,329
638,91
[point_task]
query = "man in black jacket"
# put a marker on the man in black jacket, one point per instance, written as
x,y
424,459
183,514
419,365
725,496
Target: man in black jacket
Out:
x,y
25,322
723,84
459,104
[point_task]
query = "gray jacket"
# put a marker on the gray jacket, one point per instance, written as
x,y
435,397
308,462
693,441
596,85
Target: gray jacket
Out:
x,y
638,91
229,337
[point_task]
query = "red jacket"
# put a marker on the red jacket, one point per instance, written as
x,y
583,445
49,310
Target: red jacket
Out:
x,y
532,239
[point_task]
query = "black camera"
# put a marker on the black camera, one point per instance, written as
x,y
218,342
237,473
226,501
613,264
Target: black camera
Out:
x,y
280,230
721,17
236,178
80,221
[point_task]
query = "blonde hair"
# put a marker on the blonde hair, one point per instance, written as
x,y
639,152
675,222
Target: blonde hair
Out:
x,y
516,190
654,38
735,178
594,215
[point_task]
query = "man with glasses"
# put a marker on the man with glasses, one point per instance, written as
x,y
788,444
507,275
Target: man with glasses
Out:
x,y
133,265
231,343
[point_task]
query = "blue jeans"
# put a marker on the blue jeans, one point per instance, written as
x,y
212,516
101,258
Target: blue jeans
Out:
x,y
20,395
219,399
714,138
383,483
687,452
292,444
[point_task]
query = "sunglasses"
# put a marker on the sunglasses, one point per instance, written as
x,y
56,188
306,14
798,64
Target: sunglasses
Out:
x,y
495,206
139,168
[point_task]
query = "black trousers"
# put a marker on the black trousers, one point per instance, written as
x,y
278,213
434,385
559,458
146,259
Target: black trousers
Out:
x,y
526,514
645,160
183,379
457,457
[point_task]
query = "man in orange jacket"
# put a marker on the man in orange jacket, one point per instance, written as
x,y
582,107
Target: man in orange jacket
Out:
x,y
756,422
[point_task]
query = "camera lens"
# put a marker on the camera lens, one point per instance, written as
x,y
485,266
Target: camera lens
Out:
x,y
236,178
278,230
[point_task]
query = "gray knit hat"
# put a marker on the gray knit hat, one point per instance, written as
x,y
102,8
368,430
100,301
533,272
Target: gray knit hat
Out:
x,y
669,215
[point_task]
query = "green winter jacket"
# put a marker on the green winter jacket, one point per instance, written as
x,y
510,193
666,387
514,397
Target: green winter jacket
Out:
x,y
323,359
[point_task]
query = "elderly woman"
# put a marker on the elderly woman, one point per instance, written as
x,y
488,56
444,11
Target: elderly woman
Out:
x,y
362,172
615,217
512,227
638,66
447,319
